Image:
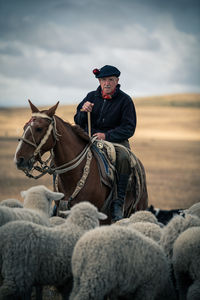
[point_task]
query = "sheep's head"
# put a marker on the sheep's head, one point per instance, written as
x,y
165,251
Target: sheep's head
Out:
x,y
40,197
84,214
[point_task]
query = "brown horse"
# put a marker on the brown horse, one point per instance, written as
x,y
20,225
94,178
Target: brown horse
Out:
x,y
73,160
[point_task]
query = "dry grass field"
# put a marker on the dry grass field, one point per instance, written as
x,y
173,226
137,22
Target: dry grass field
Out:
x,y
167,141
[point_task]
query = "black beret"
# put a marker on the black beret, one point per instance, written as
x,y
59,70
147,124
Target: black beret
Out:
x,y
106,71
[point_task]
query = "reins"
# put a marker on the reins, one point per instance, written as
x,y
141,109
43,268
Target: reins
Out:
x,y
74,163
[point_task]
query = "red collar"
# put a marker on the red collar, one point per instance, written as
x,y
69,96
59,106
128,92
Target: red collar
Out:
x,y
107,96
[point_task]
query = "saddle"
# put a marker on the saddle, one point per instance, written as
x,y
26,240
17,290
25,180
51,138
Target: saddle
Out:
x,y
106,157
105,153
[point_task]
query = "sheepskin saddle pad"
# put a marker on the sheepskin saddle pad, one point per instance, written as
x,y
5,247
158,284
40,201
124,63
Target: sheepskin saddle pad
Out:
x,y
105,154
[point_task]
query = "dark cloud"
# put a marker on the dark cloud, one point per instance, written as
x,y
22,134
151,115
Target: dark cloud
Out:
x,y
54,45
185,13
9,50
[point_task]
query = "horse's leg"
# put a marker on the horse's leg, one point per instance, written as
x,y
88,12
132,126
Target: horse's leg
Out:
x,y
58,187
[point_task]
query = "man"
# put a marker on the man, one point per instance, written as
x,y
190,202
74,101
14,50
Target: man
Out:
x,y
113,119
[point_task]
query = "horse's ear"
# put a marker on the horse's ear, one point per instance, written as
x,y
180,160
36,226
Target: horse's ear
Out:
x,y
33,107
51,111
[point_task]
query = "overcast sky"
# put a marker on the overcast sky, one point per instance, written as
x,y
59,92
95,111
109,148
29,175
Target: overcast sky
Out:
x,y
48,48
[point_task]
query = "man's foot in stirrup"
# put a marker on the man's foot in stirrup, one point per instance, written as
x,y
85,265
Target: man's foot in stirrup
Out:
x,y
117,205
116,211
54,212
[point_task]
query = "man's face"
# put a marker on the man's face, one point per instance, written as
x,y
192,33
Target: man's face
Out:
x,y
108,84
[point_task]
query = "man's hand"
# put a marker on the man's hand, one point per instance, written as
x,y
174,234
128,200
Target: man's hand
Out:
x,y
87,106
100,135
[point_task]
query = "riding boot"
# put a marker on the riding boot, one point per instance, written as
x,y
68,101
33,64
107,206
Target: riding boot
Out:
x,y
54,212
117,204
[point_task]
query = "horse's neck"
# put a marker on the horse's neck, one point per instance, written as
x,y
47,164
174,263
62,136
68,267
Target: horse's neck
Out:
x,y
69,144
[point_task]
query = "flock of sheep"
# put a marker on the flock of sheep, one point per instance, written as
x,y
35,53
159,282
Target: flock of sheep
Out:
x,y
134,258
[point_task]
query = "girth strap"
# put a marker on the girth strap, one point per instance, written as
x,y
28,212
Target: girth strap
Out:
x,y
63,204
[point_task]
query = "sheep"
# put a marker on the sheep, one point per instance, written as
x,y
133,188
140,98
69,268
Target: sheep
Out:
x,y
115,261
172,230
139,216
122,222
36,198
11,203
37,206
149,229
194,209
186,263
143,221
143,216
42,255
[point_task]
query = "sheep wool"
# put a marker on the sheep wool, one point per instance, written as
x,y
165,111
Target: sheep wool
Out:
x,y
32,254
115,261
174,228
37,206
55,221
149,229
39,197
8,214
194,209
186,263
11,203
143,216
122,222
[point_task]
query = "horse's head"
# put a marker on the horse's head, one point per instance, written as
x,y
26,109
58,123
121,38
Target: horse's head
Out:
x,y
39,137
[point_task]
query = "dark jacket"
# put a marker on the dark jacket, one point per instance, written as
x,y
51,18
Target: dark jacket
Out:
x,y
115,117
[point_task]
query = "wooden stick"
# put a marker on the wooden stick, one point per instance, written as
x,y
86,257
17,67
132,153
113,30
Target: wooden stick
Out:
x,y
89,121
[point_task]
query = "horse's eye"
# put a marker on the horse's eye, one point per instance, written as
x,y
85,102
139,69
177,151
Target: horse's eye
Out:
x,y
38,129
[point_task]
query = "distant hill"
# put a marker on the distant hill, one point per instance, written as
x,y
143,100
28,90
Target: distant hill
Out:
x,y
177,100
187,99
149,110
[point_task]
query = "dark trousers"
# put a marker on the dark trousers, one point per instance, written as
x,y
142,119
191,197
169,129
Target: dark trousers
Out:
x,y
123,160
123,169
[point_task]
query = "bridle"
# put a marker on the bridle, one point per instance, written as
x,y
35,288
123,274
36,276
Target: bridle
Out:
x,y
44,168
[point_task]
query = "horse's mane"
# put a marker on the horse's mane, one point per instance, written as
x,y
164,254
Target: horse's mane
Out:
x,y
76,129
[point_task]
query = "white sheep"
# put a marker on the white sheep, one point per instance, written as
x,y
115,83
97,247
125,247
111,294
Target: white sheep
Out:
x,y
174,228
122,222
115,261
37,206
33,254
143,216
194,209
139,216
186,263
40,198
11,202
149,229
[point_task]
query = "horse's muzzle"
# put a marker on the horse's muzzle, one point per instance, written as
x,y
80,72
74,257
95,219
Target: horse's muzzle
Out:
x,y
23,164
